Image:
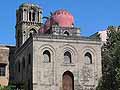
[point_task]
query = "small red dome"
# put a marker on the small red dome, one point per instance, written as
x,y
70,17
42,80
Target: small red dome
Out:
x,y
60,17
63,18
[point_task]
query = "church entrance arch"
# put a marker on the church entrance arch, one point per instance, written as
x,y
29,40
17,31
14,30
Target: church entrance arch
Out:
x,y
68,81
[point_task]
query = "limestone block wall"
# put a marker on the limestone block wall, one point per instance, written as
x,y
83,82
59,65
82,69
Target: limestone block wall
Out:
x,y
49,76
23,72
4,59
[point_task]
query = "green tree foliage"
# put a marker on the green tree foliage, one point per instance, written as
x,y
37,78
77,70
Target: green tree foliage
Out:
x,y
110,79
6,88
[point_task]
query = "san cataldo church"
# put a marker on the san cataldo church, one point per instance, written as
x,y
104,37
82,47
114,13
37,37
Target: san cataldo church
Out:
x,y
51,55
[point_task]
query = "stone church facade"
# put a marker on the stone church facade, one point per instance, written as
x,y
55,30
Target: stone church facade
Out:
x,y
53,55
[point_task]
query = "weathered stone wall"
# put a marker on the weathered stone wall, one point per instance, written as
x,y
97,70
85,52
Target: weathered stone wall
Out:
x,y
25,74
48,76
4,59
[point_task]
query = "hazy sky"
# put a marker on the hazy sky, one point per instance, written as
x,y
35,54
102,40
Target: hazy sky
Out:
x,y
90,15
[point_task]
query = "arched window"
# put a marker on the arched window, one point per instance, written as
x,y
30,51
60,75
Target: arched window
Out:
x,y
47,56
33,15
66,33
23,62
88,58
67,57
32,31
29,16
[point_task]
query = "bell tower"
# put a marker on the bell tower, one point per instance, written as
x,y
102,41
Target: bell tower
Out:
x,y
28,21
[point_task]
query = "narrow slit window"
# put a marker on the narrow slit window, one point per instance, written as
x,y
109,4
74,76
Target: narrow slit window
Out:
x,y
29,16
33,15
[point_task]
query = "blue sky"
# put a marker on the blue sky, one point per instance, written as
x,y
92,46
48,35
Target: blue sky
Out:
x,y
90,15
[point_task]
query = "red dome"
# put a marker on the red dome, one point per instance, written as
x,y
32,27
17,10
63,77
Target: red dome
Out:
x,y
60,17
63,18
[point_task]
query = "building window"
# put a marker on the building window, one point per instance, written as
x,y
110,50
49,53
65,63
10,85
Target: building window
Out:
x,y
2,69
67,57
32,31
66,33
29,16
38,17
23,62
18,66
20,17
88,58
33,15
29,59
47,56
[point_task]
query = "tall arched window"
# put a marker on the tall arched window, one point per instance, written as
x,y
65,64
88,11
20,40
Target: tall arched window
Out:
x,y
47,56
33,16
88,58
67,57
29,16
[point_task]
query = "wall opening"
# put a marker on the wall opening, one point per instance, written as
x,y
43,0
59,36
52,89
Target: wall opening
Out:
x,y
68,81
47,56
88,58
67,57
66,33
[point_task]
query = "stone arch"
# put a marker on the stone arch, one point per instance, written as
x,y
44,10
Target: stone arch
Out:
x,y
91,51
88,69
72,50
49,48
68,81
48,66
32,31
33,27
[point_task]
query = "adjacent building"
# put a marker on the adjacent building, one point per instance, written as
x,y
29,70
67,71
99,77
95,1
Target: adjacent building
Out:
x,y
6,64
